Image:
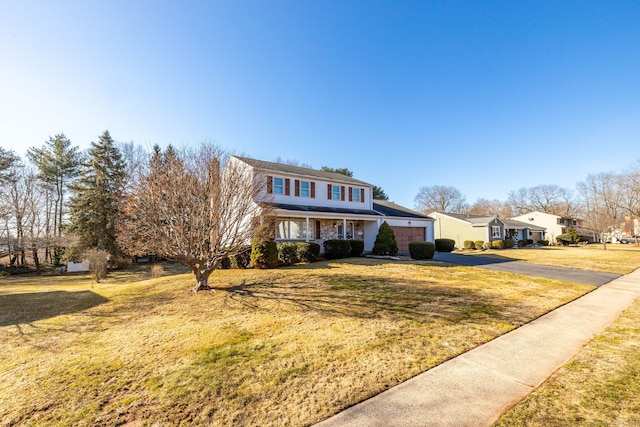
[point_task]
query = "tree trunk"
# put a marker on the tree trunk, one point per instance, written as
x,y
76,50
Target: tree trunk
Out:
x,y
36,260
202,280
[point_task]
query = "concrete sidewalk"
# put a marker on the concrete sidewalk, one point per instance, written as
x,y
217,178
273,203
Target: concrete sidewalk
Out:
x,y
475,388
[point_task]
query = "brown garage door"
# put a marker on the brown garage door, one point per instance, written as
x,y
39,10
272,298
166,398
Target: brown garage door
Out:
x,y
404,235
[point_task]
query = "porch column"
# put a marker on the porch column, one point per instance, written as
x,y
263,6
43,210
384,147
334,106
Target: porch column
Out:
x,y
344,228
307,233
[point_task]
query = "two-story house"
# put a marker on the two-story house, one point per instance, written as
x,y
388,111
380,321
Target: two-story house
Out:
x,y
555,225
314,205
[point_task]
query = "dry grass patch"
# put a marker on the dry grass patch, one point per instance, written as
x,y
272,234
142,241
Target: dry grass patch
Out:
x,y
621,259
599,387
269,347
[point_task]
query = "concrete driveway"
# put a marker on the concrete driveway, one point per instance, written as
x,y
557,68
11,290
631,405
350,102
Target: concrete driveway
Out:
x,y
574,275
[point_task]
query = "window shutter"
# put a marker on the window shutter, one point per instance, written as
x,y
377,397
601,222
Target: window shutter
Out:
x,y
342,192
350,194
287,186
317,230
329,191
362,195
296,185
313,190
269,185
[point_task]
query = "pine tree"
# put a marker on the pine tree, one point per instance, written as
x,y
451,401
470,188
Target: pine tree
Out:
x,y
95,202
385,243
58,163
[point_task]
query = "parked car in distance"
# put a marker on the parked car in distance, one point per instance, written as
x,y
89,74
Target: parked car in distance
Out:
x,y
626,240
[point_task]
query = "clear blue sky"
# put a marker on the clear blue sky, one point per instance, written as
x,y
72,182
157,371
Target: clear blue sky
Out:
x,y
484,96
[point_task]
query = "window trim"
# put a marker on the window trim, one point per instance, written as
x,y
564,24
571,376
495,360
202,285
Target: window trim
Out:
x,y
495,235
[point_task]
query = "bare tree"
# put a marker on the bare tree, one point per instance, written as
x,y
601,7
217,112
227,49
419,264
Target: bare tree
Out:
x,y
196,207
601,198
491,207
440,198
629,183
549,199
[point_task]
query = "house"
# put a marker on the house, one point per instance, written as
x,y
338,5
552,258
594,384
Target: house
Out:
x,y
461,227
518,230
314,205
555,225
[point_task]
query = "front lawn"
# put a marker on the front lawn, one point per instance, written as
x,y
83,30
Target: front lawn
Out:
x,y
621,259
276,347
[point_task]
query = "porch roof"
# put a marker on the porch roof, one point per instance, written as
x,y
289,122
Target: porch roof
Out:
x,y
519,225
297,209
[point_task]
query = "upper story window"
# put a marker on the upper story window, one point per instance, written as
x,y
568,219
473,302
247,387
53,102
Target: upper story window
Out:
x,y
355,195
495,232
335,192
278,185
305,188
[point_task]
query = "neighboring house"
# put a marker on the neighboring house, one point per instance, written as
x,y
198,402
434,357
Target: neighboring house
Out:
x,y
518,230
314,205
461,227
555,225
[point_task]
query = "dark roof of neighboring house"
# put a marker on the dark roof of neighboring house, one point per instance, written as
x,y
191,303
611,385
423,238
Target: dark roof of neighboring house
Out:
x,y
297,170
388,208
512,223
324,209
473,219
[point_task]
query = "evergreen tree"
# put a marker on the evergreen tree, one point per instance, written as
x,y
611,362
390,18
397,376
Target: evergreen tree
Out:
x,y
95,202
385,243
379,194
7,160
58,163
341,171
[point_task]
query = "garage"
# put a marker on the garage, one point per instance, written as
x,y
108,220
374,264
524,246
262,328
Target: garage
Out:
x,y
404,235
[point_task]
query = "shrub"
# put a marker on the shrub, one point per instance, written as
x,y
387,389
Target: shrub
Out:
x,y
469,244
385,243
122,263
335,249
529,241
357,247
264,253
509,243
488,245
543,242
308,251
522,243
571,237
287,253
479,244
240,259
98,263
422,250
445,245
157,271
497,244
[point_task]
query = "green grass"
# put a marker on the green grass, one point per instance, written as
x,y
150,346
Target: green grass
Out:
x,y
270,347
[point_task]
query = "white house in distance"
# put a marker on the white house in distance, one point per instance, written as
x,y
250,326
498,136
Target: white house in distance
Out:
x,y
313,205
555,225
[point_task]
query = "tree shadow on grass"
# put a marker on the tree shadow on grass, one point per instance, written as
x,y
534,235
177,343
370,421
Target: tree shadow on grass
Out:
x,y
370,297
23,308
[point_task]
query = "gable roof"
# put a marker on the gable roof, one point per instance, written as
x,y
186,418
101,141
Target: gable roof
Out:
x,y
388,208
305,172
475,220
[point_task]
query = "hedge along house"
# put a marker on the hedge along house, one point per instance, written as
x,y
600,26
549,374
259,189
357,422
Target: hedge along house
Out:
x,y
313,206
